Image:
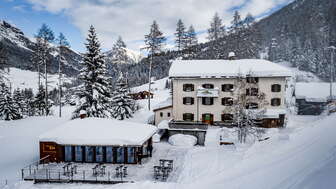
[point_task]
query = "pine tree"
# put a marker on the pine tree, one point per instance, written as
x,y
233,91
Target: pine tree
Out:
x,y
180,35
249,20
119,54
123,105
155,39
3,63
46,35
94,93
217,29
237,23
8,109
62,43
191,42
39,104
18,100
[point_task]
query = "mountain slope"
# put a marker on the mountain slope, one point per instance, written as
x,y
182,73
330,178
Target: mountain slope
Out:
x,y
19,49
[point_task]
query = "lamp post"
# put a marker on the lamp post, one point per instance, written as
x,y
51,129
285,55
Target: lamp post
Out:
x,y
331,69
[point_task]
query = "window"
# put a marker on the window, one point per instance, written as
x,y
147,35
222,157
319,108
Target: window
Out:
x,y
227,88
275,101
227,101
161,114
188,100
88,154
120,155
227,117
78,153
99,154
207,101
109,154
188,117
252,80
188,87
68,153
276,88
168,114
251,106
252,92
208,86
130,154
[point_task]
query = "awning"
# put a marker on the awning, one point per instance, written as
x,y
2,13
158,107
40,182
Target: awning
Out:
x,y
201,92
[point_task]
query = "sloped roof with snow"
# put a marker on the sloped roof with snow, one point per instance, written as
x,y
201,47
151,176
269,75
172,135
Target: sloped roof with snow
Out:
x,y
99,131
227,68
164,104
314,91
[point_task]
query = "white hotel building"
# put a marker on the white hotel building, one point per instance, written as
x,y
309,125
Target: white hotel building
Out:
x,y
203,89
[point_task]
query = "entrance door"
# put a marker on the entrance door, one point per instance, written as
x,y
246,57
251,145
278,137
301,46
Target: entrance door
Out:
x,y
207,118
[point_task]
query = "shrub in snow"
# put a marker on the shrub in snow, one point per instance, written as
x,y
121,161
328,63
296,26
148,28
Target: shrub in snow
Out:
x,y
182,140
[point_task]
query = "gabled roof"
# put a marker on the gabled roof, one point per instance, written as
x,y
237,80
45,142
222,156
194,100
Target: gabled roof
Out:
x,y
227,68
164,104
99,131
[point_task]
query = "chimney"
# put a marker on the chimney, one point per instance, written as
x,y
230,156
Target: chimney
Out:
x,y
232,56
82,114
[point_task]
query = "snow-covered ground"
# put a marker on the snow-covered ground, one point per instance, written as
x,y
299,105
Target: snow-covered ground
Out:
x,y
303,155
29,79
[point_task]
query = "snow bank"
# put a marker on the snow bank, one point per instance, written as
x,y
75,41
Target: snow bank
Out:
x,y
182,140
29,79
97,131
227,68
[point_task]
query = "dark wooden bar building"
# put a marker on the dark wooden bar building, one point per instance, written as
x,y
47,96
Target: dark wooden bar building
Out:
x,y
94,140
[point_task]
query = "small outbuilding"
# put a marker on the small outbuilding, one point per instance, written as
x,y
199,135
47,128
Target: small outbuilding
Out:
x,y
98,140
312,98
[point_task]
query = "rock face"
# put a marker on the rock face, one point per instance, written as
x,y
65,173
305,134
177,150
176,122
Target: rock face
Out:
x,y
19,49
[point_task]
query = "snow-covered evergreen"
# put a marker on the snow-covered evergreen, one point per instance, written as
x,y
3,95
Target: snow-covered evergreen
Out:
x,y
123,105
217,29
155,40
119,53
180,35
94,93
9,110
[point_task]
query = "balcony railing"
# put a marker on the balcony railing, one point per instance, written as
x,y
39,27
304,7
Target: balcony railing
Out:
x,y
186,125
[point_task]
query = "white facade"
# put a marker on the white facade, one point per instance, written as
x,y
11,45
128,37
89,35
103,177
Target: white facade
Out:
x,y
217,109
164,113
217,73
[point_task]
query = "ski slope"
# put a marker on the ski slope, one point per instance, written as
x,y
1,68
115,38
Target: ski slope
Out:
x,y
303,155
28,79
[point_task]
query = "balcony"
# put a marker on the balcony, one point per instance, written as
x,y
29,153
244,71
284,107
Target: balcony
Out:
x,y
202,92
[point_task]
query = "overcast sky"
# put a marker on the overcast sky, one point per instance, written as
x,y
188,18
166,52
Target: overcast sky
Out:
x,y
130,19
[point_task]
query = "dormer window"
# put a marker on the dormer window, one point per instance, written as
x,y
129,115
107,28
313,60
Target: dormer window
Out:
x,y
188,87
208,86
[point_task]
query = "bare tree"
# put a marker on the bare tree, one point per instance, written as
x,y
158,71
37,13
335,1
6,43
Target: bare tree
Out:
x,y
248,107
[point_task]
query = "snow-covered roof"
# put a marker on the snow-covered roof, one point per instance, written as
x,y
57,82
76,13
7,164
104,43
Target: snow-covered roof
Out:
x,y
227,68
99,131
314,91
167,103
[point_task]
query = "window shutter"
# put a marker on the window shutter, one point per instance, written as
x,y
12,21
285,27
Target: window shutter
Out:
x,y
192,100
184,100
211,101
